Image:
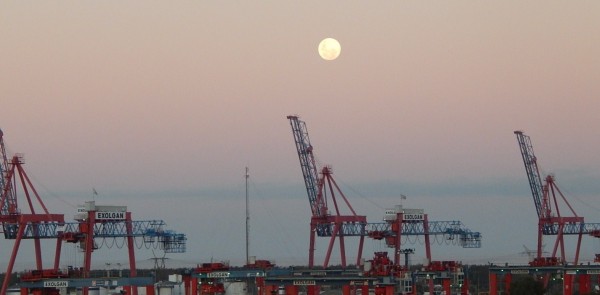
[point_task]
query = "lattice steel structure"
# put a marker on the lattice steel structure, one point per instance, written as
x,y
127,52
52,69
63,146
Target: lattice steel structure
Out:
x,y
35,222
335,225
549,200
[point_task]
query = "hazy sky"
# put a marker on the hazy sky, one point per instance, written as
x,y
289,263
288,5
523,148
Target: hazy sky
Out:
x,y
160,105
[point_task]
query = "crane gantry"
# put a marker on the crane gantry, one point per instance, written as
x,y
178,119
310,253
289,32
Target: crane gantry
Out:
x,y
399,222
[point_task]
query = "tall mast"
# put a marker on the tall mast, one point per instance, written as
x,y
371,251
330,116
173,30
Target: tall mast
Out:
x,y
247,220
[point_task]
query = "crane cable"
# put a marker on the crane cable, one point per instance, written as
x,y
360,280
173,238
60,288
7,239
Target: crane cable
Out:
x,y
138,245
569,193
346,185
284,241
49,192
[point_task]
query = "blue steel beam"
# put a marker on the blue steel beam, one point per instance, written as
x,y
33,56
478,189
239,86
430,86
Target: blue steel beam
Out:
x,y
454,229
173,242
347,230
150,230
571,229
108,229
451,229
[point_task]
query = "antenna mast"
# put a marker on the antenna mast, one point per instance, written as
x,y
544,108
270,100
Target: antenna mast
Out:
x,y
247,220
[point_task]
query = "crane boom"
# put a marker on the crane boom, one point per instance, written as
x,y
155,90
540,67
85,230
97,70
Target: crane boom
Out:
x,y
3,159
449,229
8,205
150,230
308,165
533,175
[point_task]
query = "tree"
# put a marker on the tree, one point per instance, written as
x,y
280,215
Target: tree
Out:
x,y
526,285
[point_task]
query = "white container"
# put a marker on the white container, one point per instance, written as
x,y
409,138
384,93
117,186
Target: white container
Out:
x,y
236,288
165,290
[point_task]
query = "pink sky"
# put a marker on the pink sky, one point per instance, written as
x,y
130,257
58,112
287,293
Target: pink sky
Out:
x,y
175,98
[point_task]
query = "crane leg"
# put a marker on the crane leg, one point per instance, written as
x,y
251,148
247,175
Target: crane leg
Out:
x,y
13,256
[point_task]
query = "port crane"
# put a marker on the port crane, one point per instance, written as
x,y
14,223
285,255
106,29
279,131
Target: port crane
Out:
x,y
322,222
398,222
549,200
93,222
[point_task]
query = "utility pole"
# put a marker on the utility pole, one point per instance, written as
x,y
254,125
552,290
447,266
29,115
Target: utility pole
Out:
x,y
407,252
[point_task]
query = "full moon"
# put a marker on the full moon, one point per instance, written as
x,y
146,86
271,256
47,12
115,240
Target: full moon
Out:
x,y
329,49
